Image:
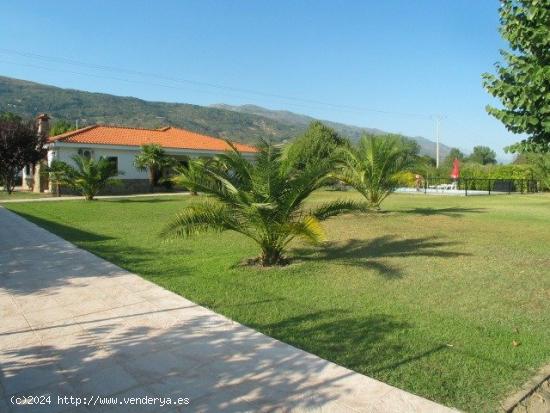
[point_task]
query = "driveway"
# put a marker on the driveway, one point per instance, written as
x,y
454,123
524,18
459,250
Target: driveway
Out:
x,y
75,325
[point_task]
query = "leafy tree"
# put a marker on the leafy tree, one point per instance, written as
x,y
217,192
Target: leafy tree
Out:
x,y
317,142
374,167
483,155
20,145
153,159
523,85
261,199
454,153
89,176
61,126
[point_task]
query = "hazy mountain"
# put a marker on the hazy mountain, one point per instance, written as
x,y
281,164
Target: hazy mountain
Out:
x,y
353,132
245,123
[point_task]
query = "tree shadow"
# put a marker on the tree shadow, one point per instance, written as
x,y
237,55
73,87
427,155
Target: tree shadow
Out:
x,y
188,351
368,253
453,212
138,200
33,259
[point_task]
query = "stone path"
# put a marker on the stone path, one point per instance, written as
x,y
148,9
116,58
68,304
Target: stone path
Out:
x,y
74,198
75,325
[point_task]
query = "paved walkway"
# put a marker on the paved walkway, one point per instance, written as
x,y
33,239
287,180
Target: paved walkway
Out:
x,y
73,198
75,325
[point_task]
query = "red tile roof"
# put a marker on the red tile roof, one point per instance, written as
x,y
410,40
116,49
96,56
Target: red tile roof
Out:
x,y
167,137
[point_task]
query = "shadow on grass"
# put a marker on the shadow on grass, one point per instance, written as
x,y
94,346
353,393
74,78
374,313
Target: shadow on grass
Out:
x,y
138,200
454,212
33,261
367,253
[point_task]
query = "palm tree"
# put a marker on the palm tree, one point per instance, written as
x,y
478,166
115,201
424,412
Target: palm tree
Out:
x,y
58,173
373,167
191,171
261,199
153,159
90,176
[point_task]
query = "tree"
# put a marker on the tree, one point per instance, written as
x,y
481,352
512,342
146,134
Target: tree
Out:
x,y
89,176
61,126
189,173
58,174
153,159
483,155
454,153
318,142
373,168
523,85
261,199
20,145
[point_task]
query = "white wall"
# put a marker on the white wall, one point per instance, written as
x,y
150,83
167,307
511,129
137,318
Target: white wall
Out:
x,y
65,151
125,159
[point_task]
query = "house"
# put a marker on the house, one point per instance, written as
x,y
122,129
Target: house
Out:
x,y
120,145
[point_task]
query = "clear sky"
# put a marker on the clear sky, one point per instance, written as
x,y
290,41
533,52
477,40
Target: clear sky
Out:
x,y
346,61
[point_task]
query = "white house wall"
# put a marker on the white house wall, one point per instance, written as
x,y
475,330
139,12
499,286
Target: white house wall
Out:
x,y
125,159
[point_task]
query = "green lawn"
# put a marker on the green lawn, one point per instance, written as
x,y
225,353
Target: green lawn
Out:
x,y
427,296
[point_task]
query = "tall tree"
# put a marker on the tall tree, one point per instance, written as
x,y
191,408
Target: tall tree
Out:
x,y
153,159
317,142
523,84
20,145
483,155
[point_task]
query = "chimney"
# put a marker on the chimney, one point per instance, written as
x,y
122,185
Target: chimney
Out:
x,y
43,124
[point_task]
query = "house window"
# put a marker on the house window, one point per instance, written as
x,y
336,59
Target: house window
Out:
x,y
85,153
27,170
113,160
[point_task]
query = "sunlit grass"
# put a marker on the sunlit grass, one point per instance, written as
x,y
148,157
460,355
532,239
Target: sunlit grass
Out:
x,y
427,295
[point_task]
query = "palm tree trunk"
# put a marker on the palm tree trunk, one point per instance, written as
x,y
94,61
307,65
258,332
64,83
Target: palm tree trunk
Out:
x,y
271,256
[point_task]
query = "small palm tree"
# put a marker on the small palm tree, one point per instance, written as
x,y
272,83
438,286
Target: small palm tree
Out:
x,y
90,176
261,199
58,173
153,159
374,166
192,171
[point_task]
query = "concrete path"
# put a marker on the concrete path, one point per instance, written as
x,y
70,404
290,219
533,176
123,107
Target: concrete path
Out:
x,y
75,325
74,198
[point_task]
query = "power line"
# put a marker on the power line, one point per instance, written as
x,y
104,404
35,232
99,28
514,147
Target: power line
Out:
x,y
62,60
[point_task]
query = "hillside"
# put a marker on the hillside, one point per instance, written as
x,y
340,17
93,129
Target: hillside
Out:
x,y
246,123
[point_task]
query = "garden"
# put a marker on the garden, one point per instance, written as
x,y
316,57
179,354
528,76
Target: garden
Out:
x,y
445,297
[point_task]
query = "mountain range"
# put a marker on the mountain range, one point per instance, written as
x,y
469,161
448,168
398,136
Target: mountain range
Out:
x,y
246,123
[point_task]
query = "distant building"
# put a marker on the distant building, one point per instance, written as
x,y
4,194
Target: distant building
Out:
x,y
120,145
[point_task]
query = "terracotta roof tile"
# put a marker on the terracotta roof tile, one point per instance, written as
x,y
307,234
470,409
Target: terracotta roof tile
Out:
x,y
167,137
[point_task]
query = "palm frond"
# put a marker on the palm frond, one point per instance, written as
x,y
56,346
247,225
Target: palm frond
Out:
x,y
200,218
309,228
338,207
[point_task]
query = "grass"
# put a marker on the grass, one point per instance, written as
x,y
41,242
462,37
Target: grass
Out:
x,y
427,296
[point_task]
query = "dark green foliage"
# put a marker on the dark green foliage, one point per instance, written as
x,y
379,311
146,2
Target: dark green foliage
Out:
x,y
523,84
317,142
483,155
453,154
20,145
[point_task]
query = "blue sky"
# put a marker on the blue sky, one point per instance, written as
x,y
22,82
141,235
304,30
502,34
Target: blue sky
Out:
x,y
345,61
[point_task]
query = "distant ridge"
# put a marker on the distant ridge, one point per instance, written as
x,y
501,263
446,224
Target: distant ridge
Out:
x,y
247,123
